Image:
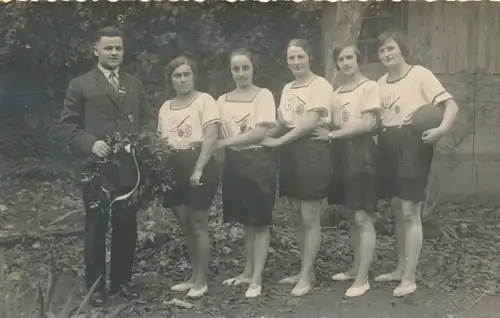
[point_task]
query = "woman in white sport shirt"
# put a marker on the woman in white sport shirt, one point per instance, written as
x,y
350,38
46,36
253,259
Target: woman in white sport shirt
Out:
x,y
355,105
190,123
406,156
249,175
305,166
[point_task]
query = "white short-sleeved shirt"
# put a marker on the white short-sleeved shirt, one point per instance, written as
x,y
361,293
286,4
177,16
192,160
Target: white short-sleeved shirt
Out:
x,y
183,127
240,116
348,106
401,98
296,101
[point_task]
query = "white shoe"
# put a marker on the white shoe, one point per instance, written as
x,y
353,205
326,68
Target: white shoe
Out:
x,y
253,291
235,281
404,289
343,276
193,293
357,291
290,280
390,277
301,291
181,287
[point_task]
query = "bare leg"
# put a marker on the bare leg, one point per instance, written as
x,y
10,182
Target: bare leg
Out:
x,y
367,237
250,247
246,276
181,215
198,221
400,245
310,211
299,228
354,234
260,249
414,238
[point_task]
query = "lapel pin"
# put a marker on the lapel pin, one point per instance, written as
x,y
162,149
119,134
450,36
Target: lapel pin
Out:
x,y
130,118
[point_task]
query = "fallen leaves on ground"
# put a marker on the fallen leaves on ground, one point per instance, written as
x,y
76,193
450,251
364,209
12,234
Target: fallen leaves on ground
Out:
x,y
450,264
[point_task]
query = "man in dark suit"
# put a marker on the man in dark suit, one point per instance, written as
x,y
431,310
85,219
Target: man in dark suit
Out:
x,y
99,103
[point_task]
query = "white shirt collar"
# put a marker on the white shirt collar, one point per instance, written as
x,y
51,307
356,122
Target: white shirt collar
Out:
x,y
107,72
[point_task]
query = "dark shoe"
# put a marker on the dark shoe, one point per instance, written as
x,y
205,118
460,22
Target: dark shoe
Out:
x,y
97,299
125,292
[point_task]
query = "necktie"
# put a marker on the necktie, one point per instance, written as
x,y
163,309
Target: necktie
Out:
x,y
113,80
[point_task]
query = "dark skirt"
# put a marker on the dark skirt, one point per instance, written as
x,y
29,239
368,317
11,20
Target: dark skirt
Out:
x,y
305,169
249,186
182,163
405,163
354,178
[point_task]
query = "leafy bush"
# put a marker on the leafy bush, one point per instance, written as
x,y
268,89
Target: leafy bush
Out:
x,y
46,45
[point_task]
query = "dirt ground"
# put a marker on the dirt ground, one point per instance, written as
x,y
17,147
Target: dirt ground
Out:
x,y
325,302
28,209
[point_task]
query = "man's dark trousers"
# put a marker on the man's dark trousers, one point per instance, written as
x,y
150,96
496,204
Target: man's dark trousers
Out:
x,y
123,217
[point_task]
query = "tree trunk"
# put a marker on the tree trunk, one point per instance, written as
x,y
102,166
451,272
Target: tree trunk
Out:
x,y
341,22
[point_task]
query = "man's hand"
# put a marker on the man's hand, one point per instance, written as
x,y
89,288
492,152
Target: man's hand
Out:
x,y
100,149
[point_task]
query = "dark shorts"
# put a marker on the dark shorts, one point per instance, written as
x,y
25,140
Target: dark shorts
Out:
x,y
249,186
305,169
182,193
354,177
404,165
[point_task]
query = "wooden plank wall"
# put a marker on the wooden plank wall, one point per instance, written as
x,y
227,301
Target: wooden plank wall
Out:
x,y
455,37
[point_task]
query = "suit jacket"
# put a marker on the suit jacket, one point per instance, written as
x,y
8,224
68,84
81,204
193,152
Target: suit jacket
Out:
x,y
92,109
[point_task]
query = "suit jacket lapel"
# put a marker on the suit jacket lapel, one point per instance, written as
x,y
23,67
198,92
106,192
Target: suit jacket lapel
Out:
x,y
102,83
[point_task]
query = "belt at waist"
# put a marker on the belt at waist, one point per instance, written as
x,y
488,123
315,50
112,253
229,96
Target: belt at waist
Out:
x,y
190,148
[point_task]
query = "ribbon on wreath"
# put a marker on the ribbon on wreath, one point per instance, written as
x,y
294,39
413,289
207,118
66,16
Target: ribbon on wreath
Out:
x,y
129,149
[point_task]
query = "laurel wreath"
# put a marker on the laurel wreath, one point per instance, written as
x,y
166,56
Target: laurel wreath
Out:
x,y
154,176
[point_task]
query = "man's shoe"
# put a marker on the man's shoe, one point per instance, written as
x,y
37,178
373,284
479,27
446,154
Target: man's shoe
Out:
x,y
97,299
125,292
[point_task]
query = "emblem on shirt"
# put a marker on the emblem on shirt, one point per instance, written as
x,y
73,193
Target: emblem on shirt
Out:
x,y
231,120
173,123
243,128
389,101
345,116
389,106
188,131
296,104
180,126
185,131
344,113
289,103
300,109
243,123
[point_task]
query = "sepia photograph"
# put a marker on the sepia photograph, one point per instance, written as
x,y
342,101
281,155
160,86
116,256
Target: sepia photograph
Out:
x,y
260,159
